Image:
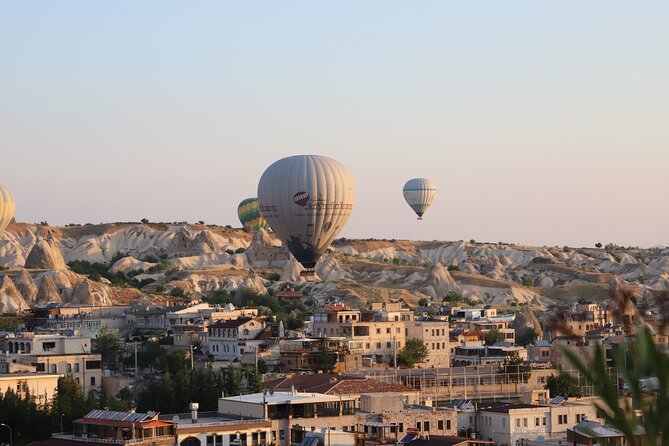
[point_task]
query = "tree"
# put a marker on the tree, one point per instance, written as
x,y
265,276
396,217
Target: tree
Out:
x,y
145,221
413,352
598,245
106,344
326,360
528,281
262,366
253,381
563,385
9,323
648,374
453,297
233,381
422,302
515,369
527,337
493,336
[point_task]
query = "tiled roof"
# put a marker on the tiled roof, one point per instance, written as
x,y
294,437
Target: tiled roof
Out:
x,y
230,323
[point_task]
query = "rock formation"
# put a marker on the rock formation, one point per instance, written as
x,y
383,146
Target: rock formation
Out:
x,y
47,293
26,286
45,255
11,300
439,282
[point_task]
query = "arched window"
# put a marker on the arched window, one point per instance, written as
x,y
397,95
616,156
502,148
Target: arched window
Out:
x,y
190,441
28,347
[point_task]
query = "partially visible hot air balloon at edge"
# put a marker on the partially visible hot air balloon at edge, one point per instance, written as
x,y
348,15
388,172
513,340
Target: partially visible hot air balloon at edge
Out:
x,y
7,207
249,214
419,194
306,200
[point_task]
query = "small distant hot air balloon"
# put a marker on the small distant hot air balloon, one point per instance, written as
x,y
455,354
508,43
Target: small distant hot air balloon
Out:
x,y
249,214
306,200
419,194
7,207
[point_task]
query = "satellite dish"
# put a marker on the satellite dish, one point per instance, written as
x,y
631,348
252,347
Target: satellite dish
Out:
x,y
175,418
151,414
271,392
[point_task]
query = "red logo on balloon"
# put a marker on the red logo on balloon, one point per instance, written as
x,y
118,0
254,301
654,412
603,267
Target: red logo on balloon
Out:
x,y
301,198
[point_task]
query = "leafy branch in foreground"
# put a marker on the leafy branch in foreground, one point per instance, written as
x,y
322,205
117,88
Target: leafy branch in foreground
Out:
x,y
648,384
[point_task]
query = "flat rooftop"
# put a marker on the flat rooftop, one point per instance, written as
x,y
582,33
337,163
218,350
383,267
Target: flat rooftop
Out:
x,y
285,398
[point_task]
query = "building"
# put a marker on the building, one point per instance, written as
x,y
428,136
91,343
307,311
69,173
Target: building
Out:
x,y
376,334
486,355
511,423
104,427
589,433
539,352
435,334
584,316
55,354
40,385
230,339
334,384
214,429
293,414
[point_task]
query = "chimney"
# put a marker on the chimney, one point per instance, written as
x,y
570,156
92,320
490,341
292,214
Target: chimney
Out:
x,y
193,412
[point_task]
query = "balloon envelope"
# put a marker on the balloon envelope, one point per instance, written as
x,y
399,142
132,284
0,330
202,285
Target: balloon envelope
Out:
x,y
419,194
7,207
306,200
249,214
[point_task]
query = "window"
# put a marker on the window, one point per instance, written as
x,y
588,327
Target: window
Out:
x,y
92,380
388,330
536,421
524,422
401,427
562,419
68,368
93,365
448,425
378,331
440,425
388,345
378,345
54,368
518,423
543,421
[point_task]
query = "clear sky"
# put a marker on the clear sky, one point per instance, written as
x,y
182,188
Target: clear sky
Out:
x,y
540,122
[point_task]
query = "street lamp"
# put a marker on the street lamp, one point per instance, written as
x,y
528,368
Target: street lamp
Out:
x,y
61,423
10,433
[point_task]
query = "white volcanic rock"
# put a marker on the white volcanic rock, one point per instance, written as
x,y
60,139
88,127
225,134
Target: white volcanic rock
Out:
x,y
388,253
44,255
330,269
439,282
446,254
201,261
11,300
253,283
93,293
47,293
128,264
291,272
346,249
543,281
238,260
265,251
26,286
627,259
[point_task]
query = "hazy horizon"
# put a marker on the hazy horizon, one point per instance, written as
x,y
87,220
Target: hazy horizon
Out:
x,y
540,123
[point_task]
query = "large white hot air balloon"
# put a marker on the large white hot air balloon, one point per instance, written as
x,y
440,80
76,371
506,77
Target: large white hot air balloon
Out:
x,y
306,200
419,194
7,207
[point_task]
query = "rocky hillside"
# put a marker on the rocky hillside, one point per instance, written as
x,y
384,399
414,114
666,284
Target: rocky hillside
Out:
x,y
121,263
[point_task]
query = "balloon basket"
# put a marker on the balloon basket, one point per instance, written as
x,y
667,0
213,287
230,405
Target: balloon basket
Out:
x,y
308,272
419,218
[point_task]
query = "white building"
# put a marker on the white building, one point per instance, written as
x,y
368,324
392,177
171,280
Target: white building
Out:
x,y
230,339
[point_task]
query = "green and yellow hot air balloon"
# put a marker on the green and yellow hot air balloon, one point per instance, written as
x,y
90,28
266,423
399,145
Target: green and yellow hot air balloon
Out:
x,y
249,214
7,207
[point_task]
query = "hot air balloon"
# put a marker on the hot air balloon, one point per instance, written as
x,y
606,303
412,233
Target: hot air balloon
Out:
x,y
306,200
7,207
249,214
419,193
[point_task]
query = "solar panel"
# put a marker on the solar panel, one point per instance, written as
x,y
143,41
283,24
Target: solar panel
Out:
x,y
557,400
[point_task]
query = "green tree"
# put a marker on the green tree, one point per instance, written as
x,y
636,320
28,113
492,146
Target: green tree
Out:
x,y
515,370
527,337
253,381
262,366
106,344
233,381
9,323
413,352
563,385
326,360
528,281
453,297
423,302
69,400
493,336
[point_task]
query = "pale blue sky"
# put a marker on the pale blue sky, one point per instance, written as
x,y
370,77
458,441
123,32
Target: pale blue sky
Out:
x,y
540,122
